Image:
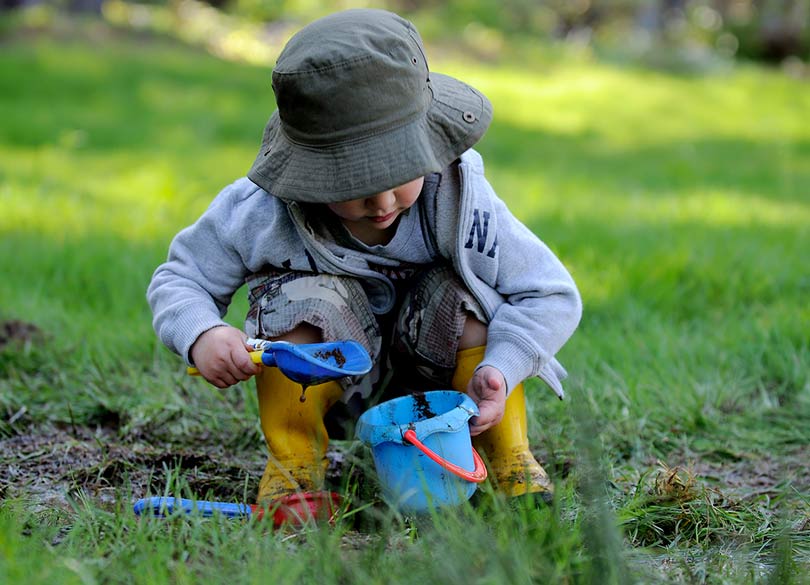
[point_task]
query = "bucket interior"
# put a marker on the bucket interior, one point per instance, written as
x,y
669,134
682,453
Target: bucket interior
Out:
x,y
419,407
428,412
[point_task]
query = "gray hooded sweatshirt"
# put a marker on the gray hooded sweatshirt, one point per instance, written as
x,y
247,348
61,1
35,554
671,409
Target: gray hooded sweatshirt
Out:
x,y
529,297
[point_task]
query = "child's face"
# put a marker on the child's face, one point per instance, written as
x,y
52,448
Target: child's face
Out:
x,y
369,218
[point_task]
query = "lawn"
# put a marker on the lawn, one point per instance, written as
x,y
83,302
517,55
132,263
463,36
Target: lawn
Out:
x,y
678,201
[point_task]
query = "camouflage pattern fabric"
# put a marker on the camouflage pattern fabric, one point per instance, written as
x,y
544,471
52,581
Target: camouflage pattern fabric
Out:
x,y
413,347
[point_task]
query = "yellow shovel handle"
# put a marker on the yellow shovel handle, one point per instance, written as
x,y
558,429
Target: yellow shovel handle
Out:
x,y
255,356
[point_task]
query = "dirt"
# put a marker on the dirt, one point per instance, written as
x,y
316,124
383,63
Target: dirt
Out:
x,y
770,486
15,331
421,407
751,476
336,354
49,466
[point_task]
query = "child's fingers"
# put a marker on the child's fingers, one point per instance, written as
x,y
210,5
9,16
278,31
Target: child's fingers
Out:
x,y
481,422
224,381
244,367
488,389
476,429
489,416
479,426
218,375
495,380
230,370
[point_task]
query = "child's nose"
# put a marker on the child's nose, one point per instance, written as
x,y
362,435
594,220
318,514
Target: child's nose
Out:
x,y
383,200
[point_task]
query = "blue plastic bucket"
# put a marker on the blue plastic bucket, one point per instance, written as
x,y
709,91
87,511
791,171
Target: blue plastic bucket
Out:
x,y
422,449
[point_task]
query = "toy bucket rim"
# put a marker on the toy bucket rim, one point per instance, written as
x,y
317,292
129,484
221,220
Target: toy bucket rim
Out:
x,y
448,422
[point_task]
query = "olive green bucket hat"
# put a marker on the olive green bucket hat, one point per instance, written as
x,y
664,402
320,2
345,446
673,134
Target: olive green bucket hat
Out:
x,y
359,112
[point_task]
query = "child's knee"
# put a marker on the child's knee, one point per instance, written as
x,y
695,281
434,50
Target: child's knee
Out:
x,y
474,333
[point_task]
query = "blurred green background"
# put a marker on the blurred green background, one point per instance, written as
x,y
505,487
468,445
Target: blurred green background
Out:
x,y
660,32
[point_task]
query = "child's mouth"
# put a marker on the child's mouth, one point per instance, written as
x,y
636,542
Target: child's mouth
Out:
x,y
383,218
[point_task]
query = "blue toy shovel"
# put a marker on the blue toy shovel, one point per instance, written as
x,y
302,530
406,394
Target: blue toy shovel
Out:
x,y
167,506
310,363
307,364
291,509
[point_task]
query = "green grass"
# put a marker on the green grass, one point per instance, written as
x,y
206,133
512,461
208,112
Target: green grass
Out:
x,y
679,203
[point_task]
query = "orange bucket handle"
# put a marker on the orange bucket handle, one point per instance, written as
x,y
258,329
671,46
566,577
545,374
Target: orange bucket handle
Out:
x,y
477,475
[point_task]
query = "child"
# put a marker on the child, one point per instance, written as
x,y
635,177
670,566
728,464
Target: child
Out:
x,y
367,216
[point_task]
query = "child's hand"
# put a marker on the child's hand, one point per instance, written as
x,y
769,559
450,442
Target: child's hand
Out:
x,y
488,389
222,357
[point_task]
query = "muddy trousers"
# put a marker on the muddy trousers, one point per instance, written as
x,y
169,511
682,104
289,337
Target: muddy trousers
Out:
x,y
513,469
295,434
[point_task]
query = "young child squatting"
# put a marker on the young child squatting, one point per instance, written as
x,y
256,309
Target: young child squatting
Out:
x,y
366,216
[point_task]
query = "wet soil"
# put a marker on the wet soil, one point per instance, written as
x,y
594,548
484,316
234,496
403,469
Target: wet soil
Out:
x,y
49,466
421,407
15,331
748,477
335,354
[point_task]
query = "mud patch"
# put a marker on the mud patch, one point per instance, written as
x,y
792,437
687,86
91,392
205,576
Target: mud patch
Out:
x,y
16,332
421,406
49,466
335,354
699,501
747,477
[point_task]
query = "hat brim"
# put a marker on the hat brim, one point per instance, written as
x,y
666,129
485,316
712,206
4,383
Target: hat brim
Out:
x,y
455,120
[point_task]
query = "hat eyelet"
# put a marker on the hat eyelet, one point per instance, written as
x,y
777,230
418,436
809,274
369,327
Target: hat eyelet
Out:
x,y
414,60
468,117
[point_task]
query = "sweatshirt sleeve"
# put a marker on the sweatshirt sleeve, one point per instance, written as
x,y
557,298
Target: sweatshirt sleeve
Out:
x,y
542,306
530,298
190,292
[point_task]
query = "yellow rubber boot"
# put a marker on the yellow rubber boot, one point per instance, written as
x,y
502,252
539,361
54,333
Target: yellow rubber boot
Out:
x,y
512,467
295,434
